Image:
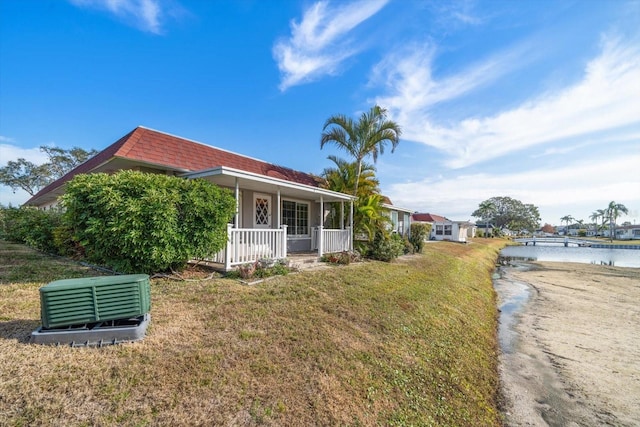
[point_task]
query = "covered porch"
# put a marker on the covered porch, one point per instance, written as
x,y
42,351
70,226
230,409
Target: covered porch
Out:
x,y
276,217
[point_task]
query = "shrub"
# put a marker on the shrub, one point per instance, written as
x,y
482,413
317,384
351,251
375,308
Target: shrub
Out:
x,y
31,226
65,244
261,269
408,246
342,258
137,222
418,235
385,247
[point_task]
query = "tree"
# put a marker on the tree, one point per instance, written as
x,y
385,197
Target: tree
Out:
x,y
486,211
614,210
342,178
369,216
369,213
548,228
511,213
597,214
22,174
567,219
25,175
367,137
62,161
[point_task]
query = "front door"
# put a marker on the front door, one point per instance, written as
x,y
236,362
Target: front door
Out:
x,y
262,210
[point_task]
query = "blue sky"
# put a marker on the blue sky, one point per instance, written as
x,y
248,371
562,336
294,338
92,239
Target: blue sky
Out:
x,y
535,100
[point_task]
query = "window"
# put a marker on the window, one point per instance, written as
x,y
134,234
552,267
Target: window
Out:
x,y
394,220
447,230
262,210
438,230
295,215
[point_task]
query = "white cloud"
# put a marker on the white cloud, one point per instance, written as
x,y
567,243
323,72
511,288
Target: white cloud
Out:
x,y
577,189
13,152
605,99
453,13
144,14
318,43
6,139
414,90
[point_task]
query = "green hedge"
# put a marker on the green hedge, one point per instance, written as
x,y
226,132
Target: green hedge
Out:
x,y
135,222
30,226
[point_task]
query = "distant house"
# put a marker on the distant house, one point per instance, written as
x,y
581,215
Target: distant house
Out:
x,y
628,232
504,231
278,210
400,218
443,228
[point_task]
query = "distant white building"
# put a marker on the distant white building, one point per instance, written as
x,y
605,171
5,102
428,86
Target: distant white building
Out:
x,y
627,232
443,228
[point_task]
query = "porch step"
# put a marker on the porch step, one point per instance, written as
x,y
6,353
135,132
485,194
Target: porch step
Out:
x,y
304,261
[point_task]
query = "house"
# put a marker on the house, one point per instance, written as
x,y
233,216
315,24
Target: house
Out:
x,y
278,210
472,230
443,228
628,232
400,218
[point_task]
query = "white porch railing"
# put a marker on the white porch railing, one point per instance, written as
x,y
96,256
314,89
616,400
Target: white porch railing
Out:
x,y
245,245
333,240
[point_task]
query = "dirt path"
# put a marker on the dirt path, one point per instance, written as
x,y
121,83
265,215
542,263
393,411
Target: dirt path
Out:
x,y
575,360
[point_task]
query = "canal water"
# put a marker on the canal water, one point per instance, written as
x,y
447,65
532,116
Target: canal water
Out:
x,y
559,253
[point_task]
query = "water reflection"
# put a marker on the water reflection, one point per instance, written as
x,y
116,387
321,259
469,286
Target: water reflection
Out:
x,y
600,256
512,296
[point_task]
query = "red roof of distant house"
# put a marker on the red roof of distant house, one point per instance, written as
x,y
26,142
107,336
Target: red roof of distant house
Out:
x,y
172,152
427,217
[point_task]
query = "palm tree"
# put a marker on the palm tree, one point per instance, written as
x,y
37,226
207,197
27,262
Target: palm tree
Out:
x,y
367,137
614,210
598,213
369,216
486,211
342,178
567,219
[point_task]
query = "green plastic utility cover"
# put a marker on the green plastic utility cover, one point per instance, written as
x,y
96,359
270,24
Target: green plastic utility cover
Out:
x,y
94,299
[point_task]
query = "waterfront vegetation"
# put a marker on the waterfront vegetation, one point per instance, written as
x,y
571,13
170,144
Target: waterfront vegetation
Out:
x,y
412,342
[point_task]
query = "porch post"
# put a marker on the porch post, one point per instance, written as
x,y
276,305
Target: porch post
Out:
x,y
320,228
236,221
278,210
341,214
227,249
352,227
284,240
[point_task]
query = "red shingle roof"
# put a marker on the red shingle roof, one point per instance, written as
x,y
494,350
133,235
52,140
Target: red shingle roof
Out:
x,y
427,217
171,152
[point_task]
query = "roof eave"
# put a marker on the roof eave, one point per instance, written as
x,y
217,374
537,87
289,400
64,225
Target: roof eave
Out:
x,y
397,208
222,170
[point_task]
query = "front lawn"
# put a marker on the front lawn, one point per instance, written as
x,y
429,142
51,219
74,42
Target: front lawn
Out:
x,y
407,343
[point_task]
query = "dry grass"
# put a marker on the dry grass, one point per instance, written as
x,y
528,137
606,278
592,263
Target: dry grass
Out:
x,y
407,343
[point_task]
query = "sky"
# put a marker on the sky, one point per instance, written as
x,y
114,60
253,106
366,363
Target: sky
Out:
x,y
534,100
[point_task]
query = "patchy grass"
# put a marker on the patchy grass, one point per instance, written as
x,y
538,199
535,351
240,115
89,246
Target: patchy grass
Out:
x,y
606,241
21,264
407,343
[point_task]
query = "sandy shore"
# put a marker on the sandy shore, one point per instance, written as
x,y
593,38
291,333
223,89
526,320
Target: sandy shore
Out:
x,y
575,355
